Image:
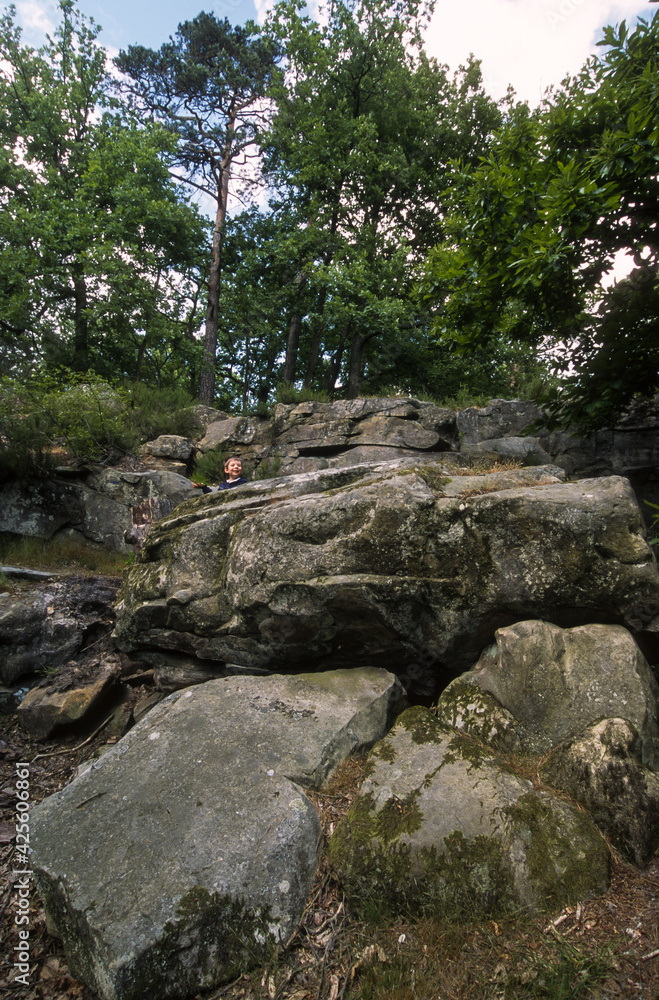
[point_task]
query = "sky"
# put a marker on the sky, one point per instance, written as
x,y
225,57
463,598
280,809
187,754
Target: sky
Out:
x,y
530,44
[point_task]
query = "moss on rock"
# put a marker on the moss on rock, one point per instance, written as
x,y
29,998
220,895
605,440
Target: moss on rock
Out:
x,y
434,478
214,938
470,879
422,726
445,827
566,856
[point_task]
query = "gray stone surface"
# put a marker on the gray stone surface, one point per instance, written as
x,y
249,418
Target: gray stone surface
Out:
x,y
371,564
441,827
632,446
602,768
554,682
40,509
95,508
500,418
45,627
179,857
230,432
169,446
526,450
466,707
348,431
171,672
380,453
305,437
131,488
203,415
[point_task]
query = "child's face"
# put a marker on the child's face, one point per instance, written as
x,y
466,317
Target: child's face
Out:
x,y
234,468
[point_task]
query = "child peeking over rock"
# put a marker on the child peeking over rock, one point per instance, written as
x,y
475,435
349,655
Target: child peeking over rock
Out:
x,y
233,470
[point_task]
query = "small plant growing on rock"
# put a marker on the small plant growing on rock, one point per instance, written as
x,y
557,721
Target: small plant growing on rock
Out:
x,y
269,469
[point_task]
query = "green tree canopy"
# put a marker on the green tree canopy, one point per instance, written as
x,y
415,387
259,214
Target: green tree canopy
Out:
x,y
540,222
96,241
207,86
365,125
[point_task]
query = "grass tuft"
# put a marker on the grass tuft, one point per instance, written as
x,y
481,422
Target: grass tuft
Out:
x,y
58,555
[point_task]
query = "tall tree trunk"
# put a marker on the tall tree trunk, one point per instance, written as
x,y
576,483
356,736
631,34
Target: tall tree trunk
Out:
x,y
207,377
293,340
337,360
81,325
314,351
355,371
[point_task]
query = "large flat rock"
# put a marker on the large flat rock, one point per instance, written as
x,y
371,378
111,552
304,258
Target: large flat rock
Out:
x,y
401,566
189,848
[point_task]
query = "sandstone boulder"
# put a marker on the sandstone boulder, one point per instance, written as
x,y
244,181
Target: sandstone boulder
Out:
x,y
203,415
632,446
95,508
540,684
172,672
172,446
526,450
442,828
70,697
188,849
232,432
316,435
132,488
43,628
367,565
169,452
602,768
39,509
500,418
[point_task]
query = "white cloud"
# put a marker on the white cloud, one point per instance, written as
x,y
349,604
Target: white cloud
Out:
x,y
531,44
36,19
263,8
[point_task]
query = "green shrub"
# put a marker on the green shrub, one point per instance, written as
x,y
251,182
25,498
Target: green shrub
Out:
x,y
464,398
88,417
25,445
153,412
287,393
209,467
79,413
269,469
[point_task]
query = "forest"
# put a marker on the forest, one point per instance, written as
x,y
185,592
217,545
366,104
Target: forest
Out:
x,y
318,209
